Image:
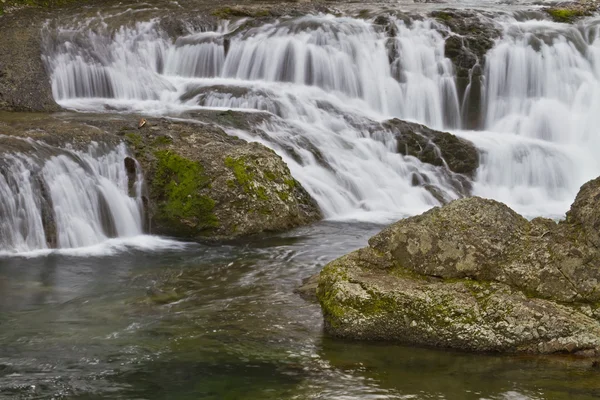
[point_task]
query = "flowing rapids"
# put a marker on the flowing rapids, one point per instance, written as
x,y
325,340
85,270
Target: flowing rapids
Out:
x,y
52,197
327,78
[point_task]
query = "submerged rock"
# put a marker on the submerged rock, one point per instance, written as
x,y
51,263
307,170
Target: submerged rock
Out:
x,y
474,275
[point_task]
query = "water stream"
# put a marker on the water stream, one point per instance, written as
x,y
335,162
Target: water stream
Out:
x,y
151,318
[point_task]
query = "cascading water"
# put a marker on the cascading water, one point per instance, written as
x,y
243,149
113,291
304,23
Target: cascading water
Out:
x,y
330,80
52,197
325,79
543,94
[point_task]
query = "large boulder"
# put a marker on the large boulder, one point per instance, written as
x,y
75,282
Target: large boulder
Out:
x,y
474,275
205,183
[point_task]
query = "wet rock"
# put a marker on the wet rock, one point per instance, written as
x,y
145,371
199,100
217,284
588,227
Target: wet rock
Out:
x,y
308,289
474,275
471,34
200,182
434,147
131,169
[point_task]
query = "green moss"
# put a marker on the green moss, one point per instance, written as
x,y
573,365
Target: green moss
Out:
x,y
245,177
444,16
283,196
242,172
162,141
270,176
177,184
565,15
262,193
290,182
134,139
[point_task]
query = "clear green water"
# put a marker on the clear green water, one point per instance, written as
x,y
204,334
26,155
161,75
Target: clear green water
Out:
x,y
223,322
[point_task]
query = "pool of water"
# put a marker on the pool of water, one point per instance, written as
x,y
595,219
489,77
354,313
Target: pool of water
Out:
x,y
210,321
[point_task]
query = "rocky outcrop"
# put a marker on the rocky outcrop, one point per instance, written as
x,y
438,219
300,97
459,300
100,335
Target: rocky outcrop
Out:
x,y
569,12
434,147
204,183
201,182
470,35
474,275
24,84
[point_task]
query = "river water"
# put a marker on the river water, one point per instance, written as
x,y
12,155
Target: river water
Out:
x,y
144,317
223,322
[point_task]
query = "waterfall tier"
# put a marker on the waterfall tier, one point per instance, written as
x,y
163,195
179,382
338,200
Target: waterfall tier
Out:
x,y
60,198
328,80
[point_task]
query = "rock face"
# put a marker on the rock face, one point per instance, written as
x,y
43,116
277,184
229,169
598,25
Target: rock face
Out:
x,y
474,275
471,35
435,147
24,84
204,183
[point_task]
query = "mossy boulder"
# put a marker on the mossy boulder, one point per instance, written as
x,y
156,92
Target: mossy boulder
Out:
x,y
571,12
203,183
474,275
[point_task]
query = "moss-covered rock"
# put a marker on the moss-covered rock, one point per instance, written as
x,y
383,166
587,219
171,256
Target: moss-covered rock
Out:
x,y
199,181
474,275
176,188
204,183
571,12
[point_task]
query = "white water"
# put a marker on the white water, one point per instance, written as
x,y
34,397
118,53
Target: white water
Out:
x,y
86,198
543,97
329,80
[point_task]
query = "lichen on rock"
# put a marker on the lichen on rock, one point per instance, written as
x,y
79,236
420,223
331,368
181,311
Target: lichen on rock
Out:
x,y
474,275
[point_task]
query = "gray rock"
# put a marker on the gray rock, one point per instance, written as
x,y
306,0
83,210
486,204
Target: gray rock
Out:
x,y
474,275
24,84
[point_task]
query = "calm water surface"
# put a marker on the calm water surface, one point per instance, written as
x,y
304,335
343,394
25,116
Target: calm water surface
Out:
x,y
223,322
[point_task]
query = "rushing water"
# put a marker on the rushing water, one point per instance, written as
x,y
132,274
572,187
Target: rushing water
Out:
x,y
142,317
329,79
81,198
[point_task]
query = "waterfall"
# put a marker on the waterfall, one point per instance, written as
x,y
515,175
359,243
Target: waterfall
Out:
x,y
543,97
51,197
328,83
